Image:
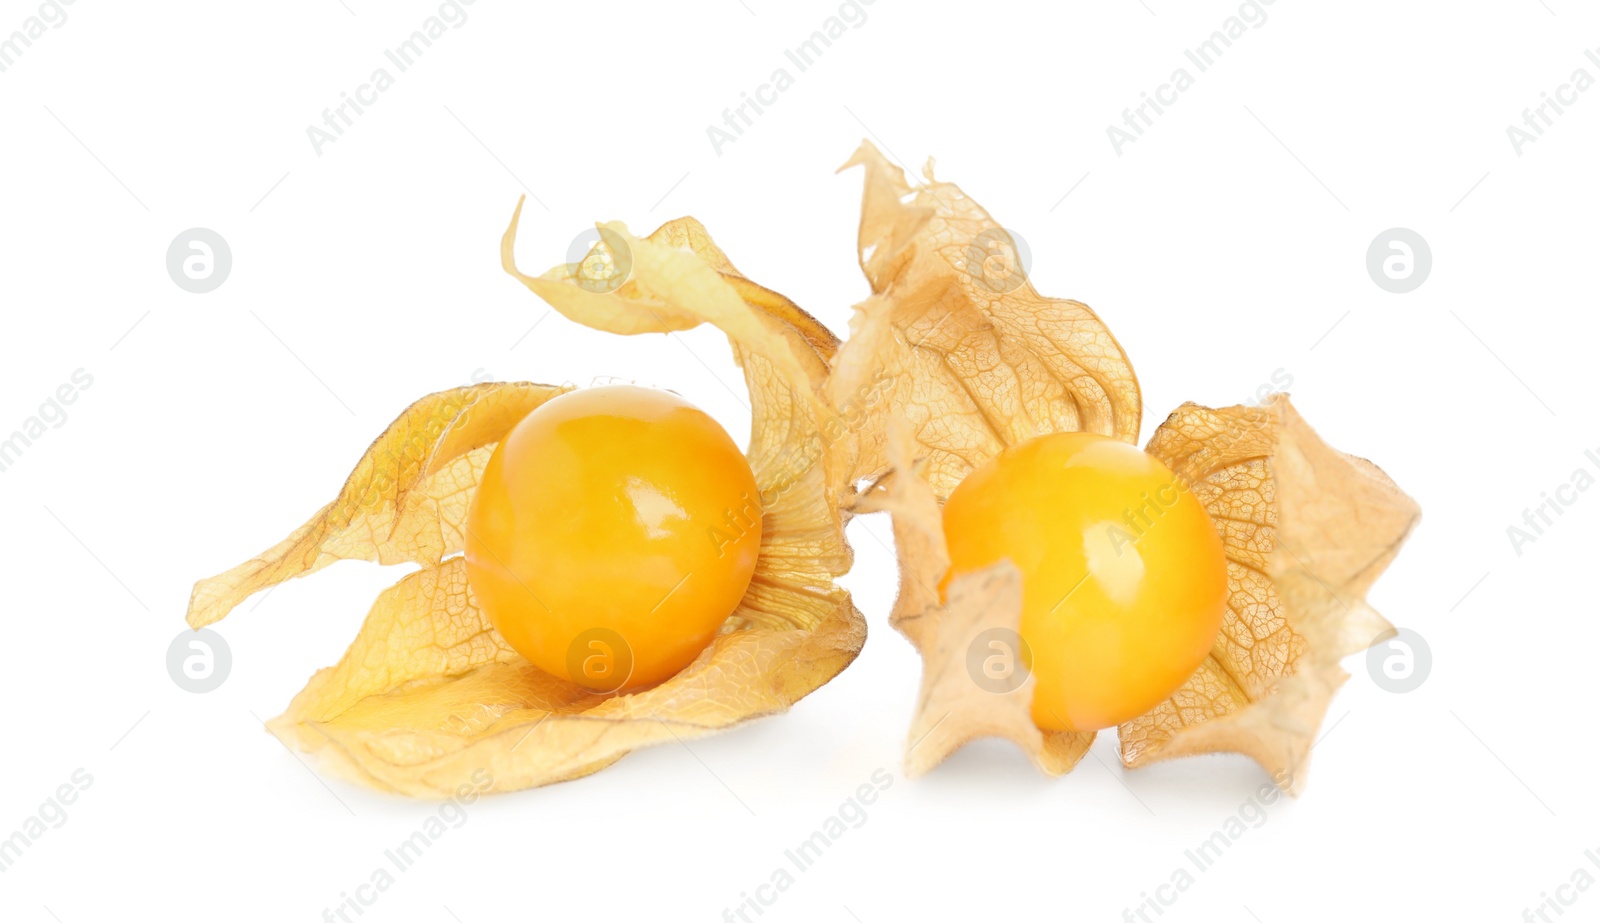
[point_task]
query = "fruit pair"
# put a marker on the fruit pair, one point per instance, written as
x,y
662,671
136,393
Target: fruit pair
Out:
x,y
599,571
615,530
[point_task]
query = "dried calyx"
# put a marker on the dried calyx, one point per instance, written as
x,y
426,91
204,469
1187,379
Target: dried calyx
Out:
x,y
429,696
979,362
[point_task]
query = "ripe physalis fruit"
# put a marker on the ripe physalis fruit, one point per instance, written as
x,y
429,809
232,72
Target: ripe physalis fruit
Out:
x,y
981,363
614,531
430,695
1123,575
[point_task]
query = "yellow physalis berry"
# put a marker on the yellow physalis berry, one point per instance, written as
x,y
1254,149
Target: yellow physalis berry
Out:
x,y
613,533
1123,576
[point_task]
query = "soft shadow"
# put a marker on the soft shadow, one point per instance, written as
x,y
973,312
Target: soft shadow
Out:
x,y
989,763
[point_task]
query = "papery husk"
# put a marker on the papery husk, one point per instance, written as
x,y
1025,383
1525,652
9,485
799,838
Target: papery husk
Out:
x,y
429,697
405,502
952,710
956,340
1306,530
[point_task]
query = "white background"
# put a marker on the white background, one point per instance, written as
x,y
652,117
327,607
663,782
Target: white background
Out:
x,y
1227,243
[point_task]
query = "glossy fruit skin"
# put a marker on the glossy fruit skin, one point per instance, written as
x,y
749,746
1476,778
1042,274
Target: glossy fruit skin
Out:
x,y
622,513
1124,581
